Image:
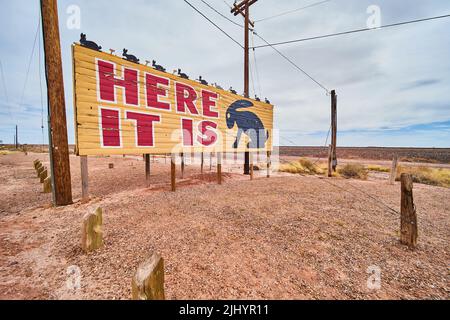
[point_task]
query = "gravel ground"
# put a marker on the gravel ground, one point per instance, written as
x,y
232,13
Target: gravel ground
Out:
x,y
287,237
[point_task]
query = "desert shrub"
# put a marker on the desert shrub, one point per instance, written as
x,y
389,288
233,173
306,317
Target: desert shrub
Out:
x,y
355,171
302,166
426,175
378,168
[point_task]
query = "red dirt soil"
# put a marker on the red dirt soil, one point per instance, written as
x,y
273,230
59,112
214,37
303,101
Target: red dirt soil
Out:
x,y
287,237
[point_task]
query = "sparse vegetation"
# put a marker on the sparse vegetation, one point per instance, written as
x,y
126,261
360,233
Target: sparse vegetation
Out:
x,y
425,175
378,168
302,166
6,152
355,171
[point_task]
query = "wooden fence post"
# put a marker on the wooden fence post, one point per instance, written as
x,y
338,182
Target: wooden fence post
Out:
x,y
147,170
173,172
408,227
182,165
48,185
43,175
393,170
39,170
84,179
92,234
36,162
210,161
219,168
251,155
202,163
148,281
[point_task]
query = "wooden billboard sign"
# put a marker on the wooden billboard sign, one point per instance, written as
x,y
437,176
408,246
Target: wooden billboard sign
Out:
x,y
123,107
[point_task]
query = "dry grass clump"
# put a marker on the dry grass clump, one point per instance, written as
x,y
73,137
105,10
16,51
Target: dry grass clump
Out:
x,y
302,166
6,152
355,171
378,168
431,176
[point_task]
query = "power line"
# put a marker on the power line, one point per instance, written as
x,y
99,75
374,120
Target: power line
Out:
x,y
256,68
199,12
351,31
222,15
293,63
29,63
4,88
292,11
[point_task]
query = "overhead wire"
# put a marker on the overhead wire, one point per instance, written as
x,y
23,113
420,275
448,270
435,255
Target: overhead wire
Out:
x,y
350,32
221,14
292,11
204,16
5,89
294,64
256,68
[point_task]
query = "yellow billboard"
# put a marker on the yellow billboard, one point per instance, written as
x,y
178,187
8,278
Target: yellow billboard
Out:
x,y
123,107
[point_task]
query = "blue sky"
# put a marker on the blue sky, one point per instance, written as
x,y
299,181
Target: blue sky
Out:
x,y
393,85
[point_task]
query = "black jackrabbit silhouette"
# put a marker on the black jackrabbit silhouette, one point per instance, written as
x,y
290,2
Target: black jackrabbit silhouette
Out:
x,y
248,123
202,81
158,67
130,57
182,75
89,44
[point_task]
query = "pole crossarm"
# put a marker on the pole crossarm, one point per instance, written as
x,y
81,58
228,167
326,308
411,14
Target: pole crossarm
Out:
x,y
240,8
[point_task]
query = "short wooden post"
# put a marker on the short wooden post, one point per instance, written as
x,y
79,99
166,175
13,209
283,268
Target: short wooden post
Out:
x,y
92,234
210,161
36,162
393,170
173,170
182,165
84,179
251,165
48,185
219,168
147,170
269,163
408,227
43,175
111,165
330,156
148,281
40,170
202,163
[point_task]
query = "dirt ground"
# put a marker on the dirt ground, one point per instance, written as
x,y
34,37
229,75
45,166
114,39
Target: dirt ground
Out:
x,y
287,237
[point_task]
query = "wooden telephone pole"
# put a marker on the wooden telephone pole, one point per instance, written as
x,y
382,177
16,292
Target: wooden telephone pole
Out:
x,y
16,139
243,8
58,144
333,130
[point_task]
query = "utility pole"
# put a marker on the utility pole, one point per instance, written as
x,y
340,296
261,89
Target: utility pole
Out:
x,y
16,141
58,144
334,129
243,8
